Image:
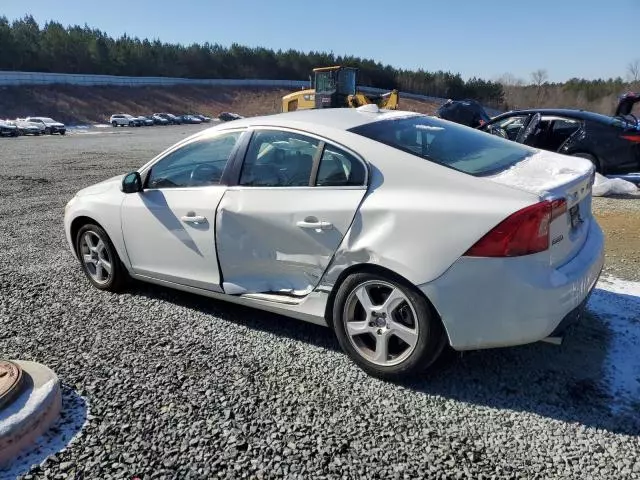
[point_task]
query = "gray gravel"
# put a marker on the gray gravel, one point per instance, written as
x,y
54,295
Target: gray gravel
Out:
x,y
184,387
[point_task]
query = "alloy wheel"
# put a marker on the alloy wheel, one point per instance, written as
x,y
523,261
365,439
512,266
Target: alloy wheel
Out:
x,y
95,257
381,323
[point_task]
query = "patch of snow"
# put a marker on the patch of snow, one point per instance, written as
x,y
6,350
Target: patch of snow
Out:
x,y
617,303
543,171
73,418
25,406
604,186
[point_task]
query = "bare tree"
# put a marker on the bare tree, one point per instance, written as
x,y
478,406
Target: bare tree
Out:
x,y
633,71
511,85
539,78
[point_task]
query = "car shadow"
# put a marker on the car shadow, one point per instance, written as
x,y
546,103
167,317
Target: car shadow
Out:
x,y
566,383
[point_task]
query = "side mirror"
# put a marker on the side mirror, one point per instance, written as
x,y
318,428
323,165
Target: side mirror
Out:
x,y
132,183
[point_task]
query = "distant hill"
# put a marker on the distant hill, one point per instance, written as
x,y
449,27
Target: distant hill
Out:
x,y
80,105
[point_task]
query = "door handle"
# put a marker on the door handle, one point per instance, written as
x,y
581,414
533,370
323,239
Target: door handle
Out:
x,y
193,219
317,225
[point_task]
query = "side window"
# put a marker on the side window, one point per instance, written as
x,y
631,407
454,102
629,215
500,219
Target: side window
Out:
x,y
562,129
565,125
278,159
197,164
338,168
512,125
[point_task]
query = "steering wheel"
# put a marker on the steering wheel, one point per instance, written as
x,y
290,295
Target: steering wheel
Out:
x,y
205,174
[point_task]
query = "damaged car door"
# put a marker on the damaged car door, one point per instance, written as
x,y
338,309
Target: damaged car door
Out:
x,y
279,226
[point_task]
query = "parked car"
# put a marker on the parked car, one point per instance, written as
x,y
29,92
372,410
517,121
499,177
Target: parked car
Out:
x,y
8,130
172,119
466,112
402,232
50,125
158,120
228,116
204,118
145,121
124,120
28,128
612,144
192,119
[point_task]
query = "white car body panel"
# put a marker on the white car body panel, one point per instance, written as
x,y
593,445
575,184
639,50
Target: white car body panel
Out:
x,y
162,242
263,249
417,219
100,202
500,302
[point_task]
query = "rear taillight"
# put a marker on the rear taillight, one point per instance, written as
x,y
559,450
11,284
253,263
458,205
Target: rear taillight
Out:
x,y
522,233
632,138
558,208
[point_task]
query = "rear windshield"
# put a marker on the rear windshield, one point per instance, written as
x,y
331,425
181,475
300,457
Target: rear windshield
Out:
x,y
447,143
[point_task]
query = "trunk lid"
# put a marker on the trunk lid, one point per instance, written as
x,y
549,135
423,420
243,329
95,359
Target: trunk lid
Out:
x,y
550,175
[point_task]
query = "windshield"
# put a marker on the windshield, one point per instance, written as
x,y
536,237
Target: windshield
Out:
x,y
47,120
446,143
325,82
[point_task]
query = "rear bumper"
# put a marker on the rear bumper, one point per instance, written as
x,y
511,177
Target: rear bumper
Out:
x,y
490,302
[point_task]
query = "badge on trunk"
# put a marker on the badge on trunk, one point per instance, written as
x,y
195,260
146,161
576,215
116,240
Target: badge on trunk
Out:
x,y
576,219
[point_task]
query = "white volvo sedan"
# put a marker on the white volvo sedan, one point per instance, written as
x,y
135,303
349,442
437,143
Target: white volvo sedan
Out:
x,y
402,232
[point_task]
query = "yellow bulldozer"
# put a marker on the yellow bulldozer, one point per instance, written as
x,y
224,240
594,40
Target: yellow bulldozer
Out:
x,y
335,87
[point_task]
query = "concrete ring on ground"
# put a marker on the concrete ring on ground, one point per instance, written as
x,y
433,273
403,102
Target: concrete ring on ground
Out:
x,y
30,412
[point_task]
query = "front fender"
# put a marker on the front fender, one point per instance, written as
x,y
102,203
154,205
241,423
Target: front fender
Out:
x,y
103,210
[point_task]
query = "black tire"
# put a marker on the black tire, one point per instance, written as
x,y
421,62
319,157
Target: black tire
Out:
x,y
47,131
119,276
431,336
63,132
589,157
114,123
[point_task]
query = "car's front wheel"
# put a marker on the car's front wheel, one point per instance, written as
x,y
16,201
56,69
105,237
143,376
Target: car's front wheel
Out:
x,y
386,326
99,259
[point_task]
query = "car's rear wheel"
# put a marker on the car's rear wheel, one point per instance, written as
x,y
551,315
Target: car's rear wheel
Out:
x,y
589,157
114,123
386,326
99,259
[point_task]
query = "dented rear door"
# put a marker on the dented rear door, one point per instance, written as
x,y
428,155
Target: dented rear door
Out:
x,y
278,229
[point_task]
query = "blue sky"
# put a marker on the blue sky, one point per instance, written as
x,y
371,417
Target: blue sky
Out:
x,y
568,38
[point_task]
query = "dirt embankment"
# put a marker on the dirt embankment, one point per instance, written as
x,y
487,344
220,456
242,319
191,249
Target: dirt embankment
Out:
x,y
77,105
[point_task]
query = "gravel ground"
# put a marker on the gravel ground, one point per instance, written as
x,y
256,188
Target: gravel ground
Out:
x,y
184,387
620,219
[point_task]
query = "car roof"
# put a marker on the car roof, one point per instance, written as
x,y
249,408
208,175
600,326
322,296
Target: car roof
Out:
x,y
339,118
563,112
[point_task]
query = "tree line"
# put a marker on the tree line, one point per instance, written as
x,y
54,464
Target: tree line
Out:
x,y
600,95
26,46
